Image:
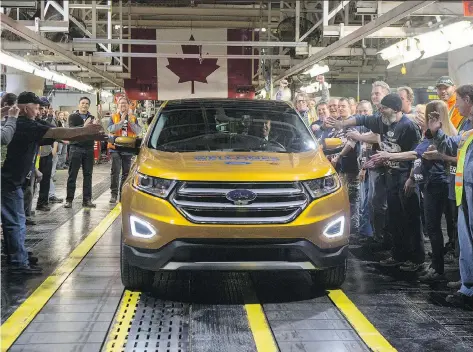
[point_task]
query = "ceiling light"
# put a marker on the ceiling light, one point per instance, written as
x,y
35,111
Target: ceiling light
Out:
x,y
423,46
22,65
263,30
317,70
46,74
16,63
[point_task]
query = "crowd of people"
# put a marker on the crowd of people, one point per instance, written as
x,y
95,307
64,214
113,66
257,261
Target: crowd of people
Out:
x,y
405,168
37,141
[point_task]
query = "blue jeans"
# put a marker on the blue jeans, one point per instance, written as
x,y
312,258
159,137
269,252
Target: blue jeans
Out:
x,y
365,218
14,226
465,239
377,200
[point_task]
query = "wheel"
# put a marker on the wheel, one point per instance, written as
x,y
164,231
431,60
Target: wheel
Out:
x,y
331,277
134,278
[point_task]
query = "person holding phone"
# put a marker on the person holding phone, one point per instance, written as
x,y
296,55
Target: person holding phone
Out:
x,y
81,155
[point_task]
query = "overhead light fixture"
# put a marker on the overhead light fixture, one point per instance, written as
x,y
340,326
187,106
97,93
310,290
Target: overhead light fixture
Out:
x,y
317,70
426,45
22,65
46,74
263,29
16,63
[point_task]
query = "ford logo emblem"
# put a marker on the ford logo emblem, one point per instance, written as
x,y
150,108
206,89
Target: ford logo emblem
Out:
x,y
241,196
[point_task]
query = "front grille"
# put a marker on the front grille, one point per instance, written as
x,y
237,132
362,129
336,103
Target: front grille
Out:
x,y
206,202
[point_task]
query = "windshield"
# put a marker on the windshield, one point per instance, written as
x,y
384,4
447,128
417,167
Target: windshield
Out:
x,y
233,129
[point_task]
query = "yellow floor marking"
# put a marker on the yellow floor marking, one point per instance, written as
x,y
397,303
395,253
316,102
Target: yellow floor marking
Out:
x,y
259,327
368,333
25,313
118,336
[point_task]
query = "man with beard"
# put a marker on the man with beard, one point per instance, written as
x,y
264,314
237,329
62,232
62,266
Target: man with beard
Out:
x,y
398,134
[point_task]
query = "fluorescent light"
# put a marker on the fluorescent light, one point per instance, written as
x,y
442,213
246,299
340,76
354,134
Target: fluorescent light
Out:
x,y
317,70
16,63
22,65
423,46
46,74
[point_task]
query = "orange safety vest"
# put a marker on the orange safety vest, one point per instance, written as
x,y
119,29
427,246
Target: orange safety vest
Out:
x,y
116,118
453,112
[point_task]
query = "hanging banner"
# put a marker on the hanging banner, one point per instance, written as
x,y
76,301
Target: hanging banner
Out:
x,y
468,8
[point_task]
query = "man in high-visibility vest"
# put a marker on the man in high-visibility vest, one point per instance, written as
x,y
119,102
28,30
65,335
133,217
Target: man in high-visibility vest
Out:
x,y
463,190
446,92
122,123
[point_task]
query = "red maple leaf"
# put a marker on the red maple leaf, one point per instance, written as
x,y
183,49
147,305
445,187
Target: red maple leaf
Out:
x,y
191,70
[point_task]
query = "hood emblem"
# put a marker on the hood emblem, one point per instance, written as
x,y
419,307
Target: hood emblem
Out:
x,y
241,196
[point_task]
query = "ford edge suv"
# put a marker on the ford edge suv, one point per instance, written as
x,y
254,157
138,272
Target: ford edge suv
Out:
x,y
221,184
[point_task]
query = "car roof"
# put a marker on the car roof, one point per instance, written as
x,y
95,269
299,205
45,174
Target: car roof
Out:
x,y
273,105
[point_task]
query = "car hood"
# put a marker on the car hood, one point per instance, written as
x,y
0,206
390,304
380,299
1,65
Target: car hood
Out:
x,y
233,166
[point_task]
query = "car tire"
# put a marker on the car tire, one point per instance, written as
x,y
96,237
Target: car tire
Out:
x,y
134,278
330,278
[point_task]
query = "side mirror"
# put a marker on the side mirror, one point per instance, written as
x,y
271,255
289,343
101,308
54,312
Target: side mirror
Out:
x,y
332,146
128,144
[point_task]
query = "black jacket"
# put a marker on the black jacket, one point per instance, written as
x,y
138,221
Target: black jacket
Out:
x,y
75,120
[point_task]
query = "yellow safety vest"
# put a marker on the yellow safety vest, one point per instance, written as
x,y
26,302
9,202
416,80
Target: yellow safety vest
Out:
x,y
465,142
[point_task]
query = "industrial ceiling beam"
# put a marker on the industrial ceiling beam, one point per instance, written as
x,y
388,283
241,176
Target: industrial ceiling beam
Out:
x,y
27,46
382,21
191,56
330,15
439,8
134,23
188,42
17,28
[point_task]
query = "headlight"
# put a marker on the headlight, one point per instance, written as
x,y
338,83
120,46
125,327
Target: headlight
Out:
x,y
335,228
158,187
322,186
141,228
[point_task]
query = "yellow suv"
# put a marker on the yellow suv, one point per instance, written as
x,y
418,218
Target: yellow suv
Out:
x,y
221,184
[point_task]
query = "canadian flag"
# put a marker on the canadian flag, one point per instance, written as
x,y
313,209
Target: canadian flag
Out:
x,y
178,77
192,77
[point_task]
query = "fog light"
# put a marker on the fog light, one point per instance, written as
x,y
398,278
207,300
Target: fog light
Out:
x,y
335,228
141,228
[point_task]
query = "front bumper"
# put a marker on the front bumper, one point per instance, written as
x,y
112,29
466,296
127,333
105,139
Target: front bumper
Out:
x,y
198,254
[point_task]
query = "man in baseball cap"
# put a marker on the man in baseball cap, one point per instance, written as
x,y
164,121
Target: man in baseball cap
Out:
x,y
398,134
446,92
20,154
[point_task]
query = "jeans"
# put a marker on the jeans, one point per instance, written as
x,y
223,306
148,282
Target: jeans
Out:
x,y
378,205
119,161
45,167
452,204
352,183
365,219
84,157
422,212
435,199
62,155
404,222
29,189
451,219
465,239
14,226
52,187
